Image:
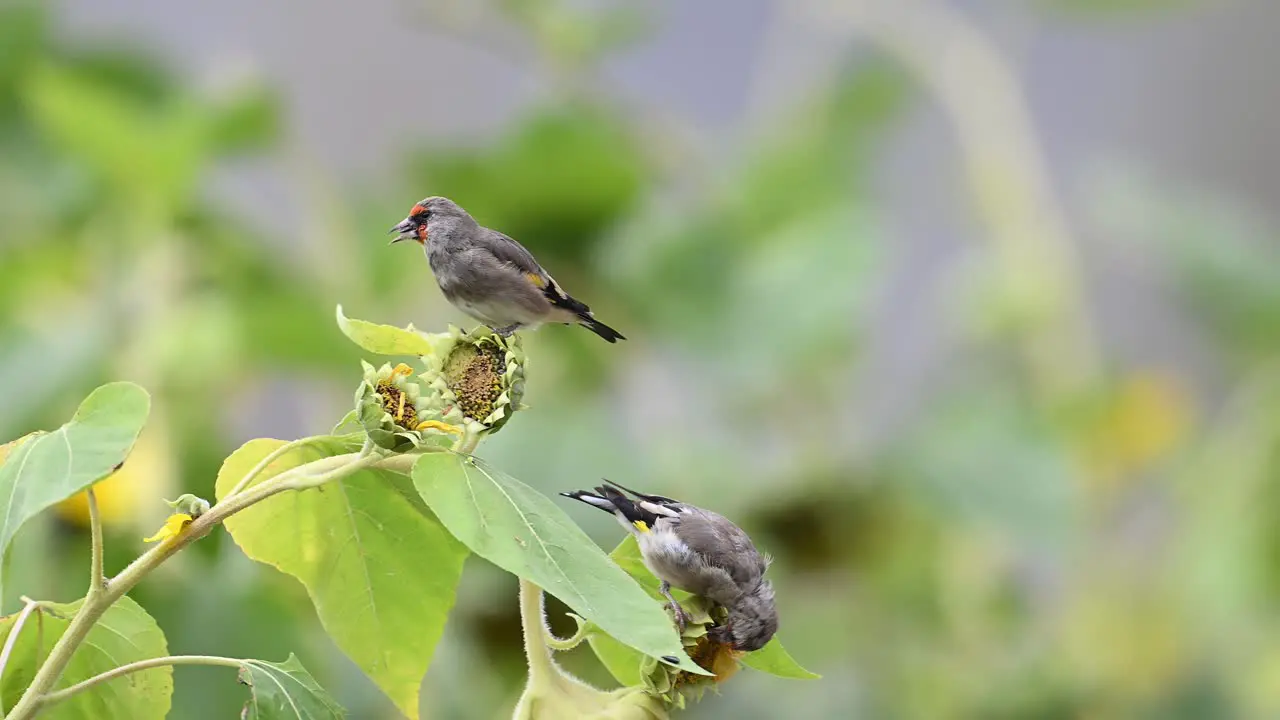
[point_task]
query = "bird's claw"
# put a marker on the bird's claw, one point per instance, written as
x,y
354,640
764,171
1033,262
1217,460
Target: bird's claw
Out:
x,y
507,331
678,614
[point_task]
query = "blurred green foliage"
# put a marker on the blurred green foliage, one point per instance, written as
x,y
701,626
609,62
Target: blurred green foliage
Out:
x,y
559,180
989,557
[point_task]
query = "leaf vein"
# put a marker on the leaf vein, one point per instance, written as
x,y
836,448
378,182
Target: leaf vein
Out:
x,y
524,518
364,568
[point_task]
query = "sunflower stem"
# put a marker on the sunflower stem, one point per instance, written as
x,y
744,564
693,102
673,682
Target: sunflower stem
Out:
x,y
96,584
568,643
133,667
537,650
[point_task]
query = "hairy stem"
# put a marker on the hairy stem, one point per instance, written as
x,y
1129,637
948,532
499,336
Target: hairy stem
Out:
x,y
133,667
533,620
550,691
305,476
568,643
95,560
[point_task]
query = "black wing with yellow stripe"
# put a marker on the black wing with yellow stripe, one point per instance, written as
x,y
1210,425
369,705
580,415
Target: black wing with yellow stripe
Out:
x,y
507,250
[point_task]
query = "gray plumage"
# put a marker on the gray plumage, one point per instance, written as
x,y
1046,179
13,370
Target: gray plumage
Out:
x,y
490,276
701,552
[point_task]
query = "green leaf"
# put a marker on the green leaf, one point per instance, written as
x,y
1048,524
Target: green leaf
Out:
x,y
50,467
286,691
775,660
622,662
772,658
124,634
350,421
383,339
380,569
10,446
521,531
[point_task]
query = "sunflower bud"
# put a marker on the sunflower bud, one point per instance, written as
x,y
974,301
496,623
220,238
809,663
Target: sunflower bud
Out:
x,y
675,686
392,409
476,378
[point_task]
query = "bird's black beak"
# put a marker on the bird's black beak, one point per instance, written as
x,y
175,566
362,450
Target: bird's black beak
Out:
x,y
404,230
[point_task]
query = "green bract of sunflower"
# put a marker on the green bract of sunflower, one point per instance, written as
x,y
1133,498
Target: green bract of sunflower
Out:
x,y
393,410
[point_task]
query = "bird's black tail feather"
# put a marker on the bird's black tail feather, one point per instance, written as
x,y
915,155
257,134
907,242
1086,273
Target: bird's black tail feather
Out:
x,y
591,499
659,499
564,301
600,329
610,500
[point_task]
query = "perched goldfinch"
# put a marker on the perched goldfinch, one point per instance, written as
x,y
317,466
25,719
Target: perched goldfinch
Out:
x,y
489,276
700,552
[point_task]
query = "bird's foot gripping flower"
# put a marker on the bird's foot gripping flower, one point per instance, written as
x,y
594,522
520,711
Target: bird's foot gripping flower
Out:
x,y
393,410
675,686
476,378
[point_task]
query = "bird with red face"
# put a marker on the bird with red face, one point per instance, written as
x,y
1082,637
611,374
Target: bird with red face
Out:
x,y
490,276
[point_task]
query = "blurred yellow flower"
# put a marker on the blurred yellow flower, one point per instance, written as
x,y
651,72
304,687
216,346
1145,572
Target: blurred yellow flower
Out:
x,y
172,527
145,475
1146,419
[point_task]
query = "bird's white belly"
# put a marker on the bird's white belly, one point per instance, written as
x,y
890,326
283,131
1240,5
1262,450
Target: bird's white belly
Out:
x,y
670,559
497,314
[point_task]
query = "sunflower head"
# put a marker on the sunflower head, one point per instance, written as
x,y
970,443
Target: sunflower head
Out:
x,y
476,378
392,409
675,686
